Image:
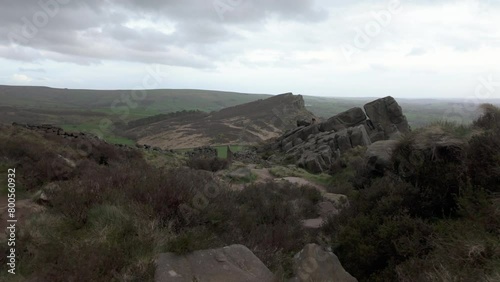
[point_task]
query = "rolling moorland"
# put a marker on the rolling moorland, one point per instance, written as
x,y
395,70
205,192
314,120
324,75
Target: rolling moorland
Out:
x,y
85,110
394,202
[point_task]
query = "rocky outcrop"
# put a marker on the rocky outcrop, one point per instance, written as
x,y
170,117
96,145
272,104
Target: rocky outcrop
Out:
x,y
315,264
387,115
317,146
232,263
245,124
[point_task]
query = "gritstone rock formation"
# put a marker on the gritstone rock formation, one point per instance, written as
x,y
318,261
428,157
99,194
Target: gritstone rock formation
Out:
x,y
316,146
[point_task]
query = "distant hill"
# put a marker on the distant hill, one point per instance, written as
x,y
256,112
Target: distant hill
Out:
x,y
242,124
154,102
84,110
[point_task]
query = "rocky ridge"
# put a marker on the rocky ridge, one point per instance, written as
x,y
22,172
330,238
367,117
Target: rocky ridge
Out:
x,y
245,124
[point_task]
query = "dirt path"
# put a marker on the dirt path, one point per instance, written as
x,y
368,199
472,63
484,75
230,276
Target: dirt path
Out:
x,y
263,175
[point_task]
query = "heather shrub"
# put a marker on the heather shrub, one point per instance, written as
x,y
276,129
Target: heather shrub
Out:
x,y
484,160
376,232
464,249
433,163
490,118
265,217
268,221
111,245
75,198
209,164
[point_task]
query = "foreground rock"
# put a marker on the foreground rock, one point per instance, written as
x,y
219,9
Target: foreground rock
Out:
x,y
315,264
233,263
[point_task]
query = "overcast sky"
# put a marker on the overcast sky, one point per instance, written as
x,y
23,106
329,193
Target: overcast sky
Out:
x,y
436,49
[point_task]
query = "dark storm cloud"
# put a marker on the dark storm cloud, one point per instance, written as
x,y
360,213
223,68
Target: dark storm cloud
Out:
x,y
89,31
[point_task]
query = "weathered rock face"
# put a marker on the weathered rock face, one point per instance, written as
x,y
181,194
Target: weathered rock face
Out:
x,y
317,146
244,124
379,155
344,120
315,264
232,263
387,115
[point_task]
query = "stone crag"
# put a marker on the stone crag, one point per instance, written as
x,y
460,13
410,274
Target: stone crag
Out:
x,y
317,146
245,124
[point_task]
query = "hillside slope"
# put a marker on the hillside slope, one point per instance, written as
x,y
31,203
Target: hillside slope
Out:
x,y
243,124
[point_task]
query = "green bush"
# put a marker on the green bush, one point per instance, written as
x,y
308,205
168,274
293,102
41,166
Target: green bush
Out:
x,y
490,119
435,166
484,160
376,232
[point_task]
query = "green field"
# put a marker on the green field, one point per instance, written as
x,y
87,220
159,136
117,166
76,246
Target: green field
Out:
x,y
222,150
95,129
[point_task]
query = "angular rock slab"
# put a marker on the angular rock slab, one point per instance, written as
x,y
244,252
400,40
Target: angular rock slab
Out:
x,y
229,264
387,115
315,264
312,162
359,136
344,120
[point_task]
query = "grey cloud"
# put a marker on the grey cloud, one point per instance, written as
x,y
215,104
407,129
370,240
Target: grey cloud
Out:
x,y
95,30
35,70
234,10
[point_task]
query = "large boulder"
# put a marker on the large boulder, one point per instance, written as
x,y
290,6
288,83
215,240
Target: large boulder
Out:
x,y
359,136
387,116
343,141
312,162
232,263
379,154
315,264
344,120
308,131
